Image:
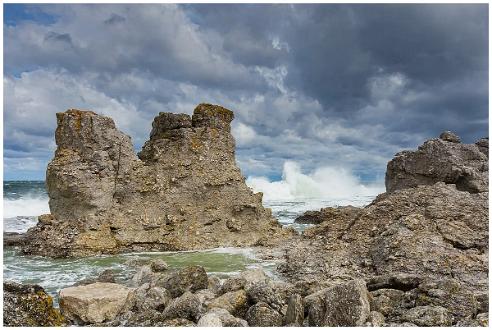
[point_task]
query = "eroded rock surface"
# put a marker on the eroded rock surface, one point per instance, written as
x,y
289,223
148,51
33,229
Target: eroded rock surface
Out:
x,y
422,247
184,191
441,160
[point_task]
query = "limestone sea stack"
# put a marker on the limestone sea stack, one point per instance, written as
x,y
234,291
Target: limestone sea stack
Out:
x,y
183,191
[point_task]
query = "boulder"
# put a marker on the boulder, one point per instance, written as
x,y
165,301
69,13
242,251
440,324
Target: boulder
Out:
x,y
190,278
27,305
265,292
262,315
346,305
219,317
93,303
188,306
159,265
146,297
235,302
440,160
183,191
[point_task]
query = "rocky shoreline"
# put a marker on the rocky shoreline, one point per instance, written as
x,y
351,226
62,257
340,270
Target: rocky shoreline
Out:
x,y
416,256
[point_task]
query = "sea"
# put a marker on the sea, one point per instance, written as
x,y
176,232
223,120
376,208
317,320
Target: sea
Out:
x,y
23,201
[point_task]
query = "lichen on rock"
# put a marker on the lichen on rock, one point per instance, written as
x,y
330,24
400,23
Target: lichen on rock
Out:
x,y
184,191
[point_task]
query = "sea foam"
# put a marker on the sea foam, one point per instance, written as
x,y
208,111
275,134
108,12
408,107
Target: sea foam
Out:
x,y
26,206
325,183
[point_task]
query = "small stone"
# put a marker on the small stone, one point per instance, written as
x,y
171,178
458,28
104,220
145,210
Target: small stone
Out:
x,y
450,137
159,265
262,315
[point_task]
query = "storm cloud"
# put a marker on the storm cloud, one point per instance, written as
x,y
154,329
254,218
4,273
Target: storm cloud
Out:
x,y
343,86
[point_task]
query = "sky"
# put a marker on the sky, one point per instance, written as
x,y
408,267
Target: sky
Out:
x,y
319,86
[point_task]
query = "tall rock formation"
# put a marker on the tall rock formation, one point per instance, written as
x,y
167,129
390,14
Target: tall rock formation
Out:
x,y
184,190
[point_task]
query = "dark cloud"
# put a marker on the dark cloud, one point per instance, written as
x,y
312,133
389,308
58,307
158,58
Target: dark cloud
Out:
x,y
343,85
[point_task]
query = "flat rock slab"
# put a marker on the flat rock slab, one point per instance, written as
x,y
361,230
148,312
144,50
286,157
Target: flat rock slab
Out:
x,y
93,303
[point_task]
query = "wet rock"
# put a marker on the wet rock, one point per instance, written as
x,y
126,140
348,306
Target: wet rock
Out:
x,y
440,160
428,316
295,311
327,214
107,276
219,317
93,303
159,265
143,275
188,306
184,191
235,302
29,305
262,315
13,239
190,278
346,304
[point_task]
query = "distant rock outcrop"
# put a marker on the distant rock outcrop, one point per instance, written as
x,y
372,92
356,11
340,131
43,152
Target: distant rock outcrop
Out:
x,y
441,160
184,190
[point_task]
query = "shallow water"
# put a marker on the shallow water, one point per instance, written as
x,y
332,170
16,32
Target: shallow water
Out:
x,y
25,200
55,274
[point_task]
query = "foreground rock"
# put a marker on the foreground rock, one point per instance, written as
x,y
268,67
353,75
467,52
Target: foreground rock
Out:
x,y
93,303
29,306
441,160
428,237
184,191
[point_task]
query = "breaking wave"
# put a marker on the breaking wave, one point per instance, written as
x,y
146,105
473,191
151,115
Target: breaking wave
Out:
x,y
326,183
26,206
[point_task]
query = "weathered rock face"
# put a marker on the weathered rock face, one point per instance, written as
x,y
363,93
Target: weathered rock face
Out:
x,y
29,306
184,190
441,160
422,247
